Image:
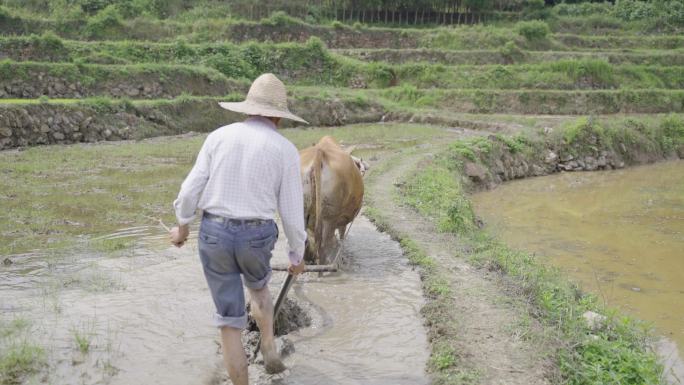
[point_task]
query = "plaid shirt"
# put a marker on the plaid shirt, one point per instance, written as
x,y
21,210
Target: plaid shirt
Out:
x,y
245,171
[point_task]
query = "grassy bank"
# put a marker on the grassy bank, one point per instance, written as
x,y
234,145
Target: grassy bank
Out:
x,y
561,74
512,55
538,101
618,352
67,80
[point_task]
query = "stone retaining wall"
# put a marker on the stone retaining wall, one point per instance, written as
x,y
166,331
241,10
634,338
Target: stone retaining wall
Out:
x,y
46,123
501,163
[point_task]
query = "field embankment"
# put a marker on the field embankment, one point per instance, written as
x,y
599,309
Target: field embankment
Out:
x,y
29,80
505,57
587,144
437,190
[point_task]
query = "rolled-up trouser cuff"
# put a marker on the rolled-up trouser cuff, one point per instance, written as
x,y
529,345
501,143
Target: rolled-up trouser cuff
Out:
x,y
256,285
233,322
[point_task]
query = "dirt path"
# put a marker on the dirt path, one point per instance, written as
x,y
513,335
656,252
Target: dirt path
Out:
x,y
493,340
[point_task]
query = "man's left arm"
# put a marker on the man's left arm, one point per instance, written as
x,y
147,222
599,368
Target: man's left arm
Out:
x,y
191,190
291,209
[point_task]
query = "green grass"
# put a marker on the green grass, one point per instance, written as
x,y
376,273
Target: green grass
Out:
x,y
435,193
38,101
82,340
19,356
576,102
110,245
477,56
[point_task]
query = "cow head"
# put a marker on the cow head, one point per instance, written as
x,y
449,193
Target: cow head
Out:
x,y
360,164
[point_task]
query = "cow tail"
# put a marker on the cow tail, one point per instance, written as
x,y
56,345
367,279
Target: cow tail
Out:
x,y
318,201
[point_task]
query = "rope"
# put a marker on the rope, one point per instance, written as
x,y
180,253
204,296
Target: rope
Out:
x,y
339,250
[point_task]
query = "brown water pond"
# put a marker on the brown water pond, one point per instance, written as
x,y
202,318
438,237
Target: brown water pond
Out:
x,y
619,234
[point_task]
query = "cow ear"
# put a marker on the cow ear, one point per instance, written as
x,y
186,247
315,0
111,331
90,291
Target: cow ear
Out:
x,y
349,149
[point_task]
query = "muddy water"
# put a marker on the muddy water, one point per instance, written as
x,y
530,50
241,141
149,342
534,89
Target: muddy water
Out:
x,y
370,329
146,313
620,234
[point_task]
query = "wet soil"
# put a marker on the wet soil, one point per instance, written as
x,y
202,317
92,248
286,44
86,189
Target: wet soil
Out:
x,y
147,316
365,322
495,339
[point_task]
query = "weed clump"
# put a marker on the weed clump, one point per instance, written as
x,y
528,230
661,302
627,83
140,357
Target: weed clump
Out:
x,y
280,19
534,30
106,22
19,356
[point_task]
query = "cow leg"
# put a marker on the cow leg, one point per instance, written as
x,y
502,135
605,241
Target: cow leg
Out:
x,y
310,253
326,238
342,231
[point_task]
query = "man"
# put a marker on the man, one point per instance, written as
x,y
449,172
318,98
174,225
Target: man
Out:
x,y
243,172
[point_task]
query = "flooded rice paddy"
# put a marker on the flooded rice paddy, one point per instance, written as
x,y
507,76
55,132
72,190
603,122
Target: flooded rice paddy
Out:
x,y
143,315
619,234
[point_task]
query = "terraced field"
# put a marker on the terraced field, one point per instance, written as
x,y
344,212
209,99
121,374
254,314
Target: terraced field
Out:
x,y
582,88
340,74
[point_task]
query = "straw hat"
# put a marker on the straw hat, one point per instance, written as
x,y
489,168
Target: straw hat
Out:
x,y
266,97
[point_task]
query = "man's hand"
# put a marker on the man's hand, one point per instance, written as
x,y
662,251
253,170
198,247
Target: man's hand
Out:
x,y
178,235
296,269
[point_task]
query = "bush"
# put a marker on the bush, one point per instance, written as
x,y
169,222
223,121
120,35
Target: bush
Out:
x,y
314,14
48,41
582,9
92,7
532,30
668,12
280,19
672,133
4,14
598,73
381,75
630,10
338,25
535,9
511,52
105,23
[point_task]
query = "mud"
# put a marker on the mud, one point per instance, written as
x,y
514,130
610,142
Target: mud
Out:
x,y
291,317
146,312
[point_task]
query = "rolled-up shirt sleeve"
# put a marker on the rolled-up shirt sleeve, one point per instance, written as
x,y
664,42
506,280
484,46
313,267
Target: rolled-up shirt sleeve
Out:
x,y
191,190
291,207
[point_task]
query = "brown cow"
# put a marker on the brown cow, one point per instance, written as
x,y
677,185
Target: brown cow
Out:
x,y
333,193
